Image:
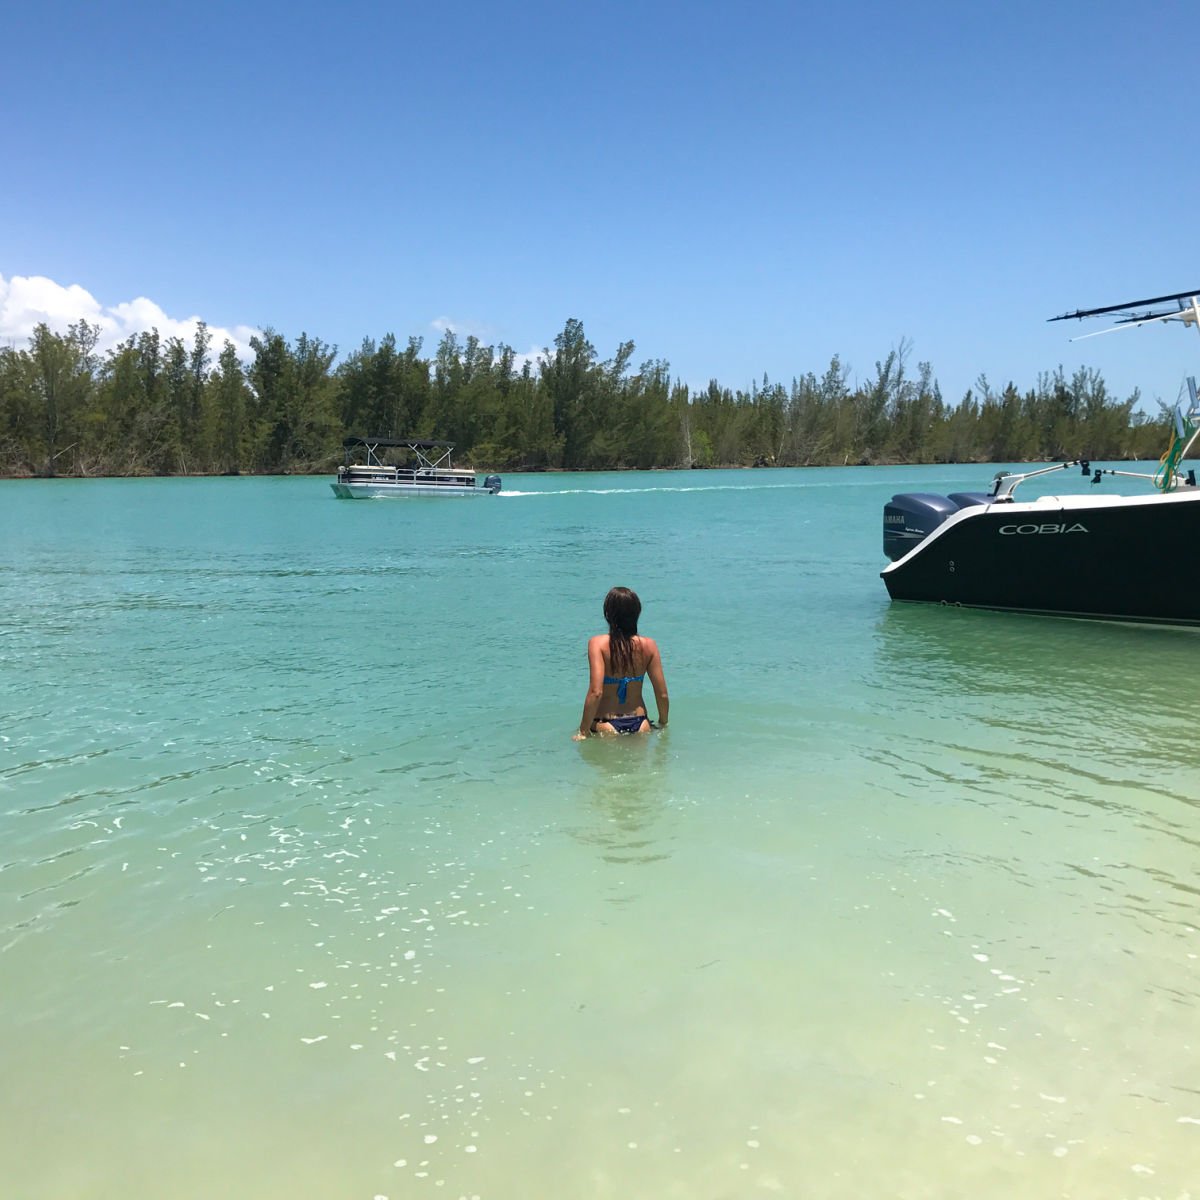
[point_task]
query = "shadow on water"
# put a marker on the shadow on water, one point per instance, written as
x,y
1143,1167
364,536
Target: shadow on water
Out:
x,y
626,796
1107,698
955,652
1075,738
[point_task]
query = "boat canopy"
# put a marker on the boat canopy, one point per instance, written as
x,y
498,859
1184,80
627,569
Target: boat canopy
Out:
x,y
430,455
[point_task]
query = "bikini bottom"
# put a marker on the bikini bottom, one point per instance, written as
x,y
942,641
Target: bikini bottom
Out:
x,y
630,724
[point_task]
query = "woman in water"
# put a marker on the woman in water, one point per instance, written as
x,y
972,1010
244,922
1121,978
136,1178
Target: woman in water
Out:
x,y
618,662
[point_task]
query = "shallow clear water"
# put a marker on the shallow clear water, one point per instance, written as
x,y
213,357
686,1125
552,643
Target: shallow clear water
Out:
x,y
306,891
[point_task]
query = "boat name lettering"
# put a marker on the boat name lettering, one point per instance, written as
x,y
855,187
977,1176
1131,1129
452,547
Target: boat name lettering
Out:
x,y
1050,528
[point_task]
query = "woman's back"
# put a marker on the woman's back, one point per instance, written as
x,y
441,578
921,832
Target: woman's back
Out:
x,y
619,661
625,680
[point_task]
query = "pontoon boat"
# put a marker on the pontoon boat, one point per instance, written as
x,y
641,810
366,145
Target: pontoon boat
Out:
x,y
370,471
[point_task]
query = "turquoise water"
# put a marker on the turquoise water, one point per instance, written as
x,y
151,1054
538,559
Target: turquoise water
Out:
x,y
305,890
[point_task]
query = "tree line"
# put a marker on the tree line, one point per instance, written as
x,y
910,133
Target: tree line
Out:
x,y
159,406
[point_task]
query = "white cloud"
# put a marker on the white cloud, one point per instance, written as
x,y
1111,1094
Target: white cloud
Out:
x,y
29,300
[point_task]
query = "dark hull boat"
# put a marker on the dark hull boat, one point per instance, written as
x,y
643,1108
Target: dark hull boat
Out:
x,y
1115,557
1126,558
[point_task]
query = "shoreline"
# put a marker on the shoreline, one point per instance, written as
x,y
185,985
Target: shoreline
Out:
x,y
318,474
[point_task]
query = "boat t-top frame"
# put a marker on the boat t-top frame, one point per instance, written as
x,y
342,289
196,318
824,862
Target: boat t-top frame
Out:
x,y
1187,425
1187,310
430,456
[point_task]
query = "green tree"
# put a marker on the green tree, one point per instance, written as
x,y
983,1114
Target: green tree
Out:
x,y
229,402
294,397
569,379
60,381
17,415
113,419
194,437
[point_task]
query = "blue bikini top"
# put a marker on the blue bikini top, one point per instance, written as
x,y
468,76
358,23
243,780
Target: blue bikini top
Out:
x,y
623,684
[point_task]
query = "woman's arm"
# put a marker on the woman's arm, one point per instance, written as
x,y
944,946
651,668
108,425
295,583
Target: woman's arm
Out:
x,y
595,686
658,681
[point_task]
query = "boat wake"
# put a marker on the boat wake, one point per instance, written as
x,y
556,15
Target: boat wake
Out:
x,y
631,491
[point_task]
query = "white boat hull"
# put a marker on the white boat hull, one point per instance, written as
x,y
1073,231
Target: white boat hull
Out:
x,y
394,491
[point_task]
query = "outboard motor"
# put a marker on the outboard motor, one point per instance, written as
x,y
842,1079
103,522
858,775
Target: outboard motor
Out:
x,y
969,499
492,483
910,517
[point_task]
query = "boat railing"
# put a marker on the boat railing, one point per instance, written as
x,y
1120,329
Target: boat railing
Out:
x,y
1006,482
380,473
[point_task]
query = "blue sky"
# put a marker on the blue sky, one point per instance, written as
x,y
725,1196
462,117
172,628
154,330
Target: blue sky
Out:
x,y
739,189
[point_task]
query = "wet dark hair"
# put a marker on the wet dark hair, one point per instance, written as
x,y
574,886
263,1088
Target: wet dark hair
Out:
x,y
621,610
